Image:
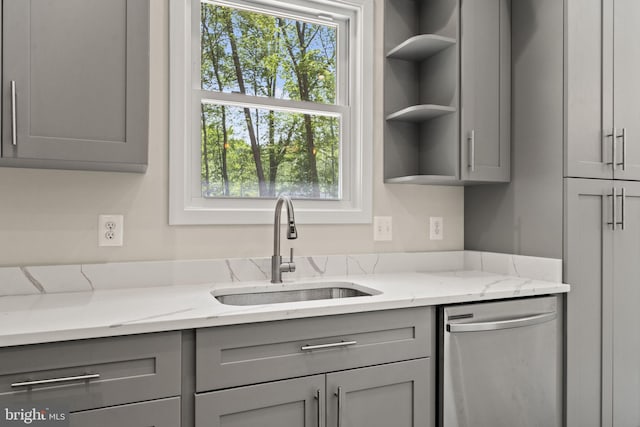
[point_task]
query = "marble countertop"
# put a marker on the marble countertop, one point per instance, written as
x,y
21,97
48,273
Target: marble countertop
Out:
x,y
47,317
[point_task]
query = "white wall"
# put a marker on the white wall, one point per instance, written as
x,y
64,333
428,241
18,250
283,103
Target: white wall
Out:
x,y
49,217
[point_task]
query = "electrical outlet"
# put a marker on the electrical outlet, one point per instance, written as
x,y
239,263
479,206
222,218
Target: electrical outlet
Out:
x,y
382,228
110,230
436,228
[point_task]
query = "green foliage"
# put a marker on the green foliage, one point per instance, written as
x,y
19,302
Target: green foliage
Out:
x,y
263,55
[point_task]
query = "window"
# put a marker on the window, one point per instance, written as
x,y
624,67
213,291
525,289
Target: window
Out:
x,y
270,97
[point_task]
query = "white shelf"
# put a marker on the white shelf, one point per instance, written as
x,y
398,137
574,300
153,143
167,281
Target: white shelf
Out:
x,y
425,180
420,113
418,48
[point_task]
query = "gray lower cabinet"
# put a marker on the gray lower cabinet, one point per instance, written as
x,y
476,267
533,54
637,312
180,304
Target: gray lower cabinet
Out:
x,y
602,252
237,355
602,90
290,403
75,84
369,369
98,380
395,394
157,413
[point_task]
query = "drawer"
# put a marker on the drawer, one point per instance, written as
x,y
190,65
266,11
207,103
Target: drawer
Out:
x,y
94,373
157,413
252,353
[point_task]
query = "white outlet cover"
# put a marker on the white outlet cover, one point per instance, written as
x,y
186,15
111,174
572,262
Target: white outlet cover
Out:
x,y
382,228
110,230
436,228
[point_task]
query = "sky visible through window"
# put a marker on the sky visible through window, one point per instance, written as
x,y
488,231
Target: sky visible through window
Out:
x,y
264,152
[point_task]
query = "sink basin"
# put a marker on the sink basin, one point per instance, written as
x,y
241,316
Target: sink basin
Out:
x,y
293,293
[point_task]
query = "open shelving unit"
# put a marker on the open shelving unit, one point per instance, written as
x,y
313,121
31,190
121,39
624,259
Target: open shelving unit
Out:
x,y
420,113
420,47
421,92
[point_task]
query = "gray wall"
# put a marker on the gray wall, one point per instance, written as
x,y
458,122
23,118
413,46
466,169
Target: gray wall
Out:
x,y
525,216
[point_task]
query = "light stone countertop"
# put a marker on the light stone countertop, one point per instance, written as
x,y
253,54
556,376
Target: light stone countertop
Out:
x,y
48,317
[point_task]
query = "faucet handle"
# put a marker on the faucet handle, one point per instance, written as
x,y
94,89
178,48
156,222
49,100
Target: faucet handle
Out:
x,y
288,267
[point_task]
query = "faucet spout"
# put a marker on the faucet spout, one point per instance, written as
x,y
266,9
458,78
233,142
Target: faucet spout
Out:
x,y
277,266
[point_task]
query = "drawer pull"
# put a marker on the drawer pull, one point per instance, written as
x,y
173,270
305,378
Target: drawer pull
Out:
x,y
56,380
332,345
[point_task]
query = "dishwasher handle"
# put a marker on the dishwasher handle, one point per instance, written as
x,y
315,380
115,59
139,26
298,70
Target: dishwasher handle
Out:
x,y
519,322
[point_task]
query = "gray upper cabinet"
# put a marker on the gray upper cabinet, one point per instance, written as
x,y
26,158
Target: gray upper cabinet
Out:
x,y
602,249
602,129
486,97
626,89
447,91
75,84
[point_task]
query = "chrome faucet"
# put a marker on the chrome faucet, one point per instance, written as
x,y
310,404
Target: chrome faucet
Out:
x,y
277,266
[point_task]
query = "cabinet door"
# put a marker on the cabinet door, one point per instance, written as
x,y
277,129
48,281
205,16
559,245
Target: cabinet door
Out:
x,y
589,88
588,257
291,403
485,90
626,315
80,71
626,88
396,395
156,413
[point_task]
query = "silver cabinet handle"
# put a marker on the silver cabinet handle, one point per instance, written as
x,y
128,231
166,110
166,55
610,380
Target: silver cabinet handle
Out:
x,y
472,150
614,216
56,380
340,394
623,195
613,135
14,119
318,398
332,345
624,148
502,324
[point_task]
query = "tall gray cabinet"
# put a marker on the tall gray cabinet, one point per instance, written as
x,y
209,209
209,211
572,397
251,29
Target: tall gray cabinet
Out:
x,y
75,84
602,249
447,91
574,192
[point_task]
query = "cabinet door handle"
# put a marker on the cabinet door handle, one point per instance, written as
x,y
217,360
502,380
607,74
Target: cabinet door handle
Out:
x,y
613,135
472,150
14,119
56,380
318,398
614,217
623,195
332,345
340,394
624,148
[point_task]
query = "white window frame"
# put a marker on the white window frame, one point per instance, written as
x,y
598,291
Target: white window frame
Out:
x,y
186,204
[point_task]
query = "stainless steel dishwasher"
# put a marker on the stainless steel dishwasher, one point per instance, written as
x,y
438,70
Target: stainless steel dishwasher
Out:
x,y
501,364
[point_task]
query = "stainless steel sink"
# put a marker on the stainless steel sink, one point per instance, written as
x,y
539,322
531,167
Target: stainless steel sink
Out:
x,y
299,292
